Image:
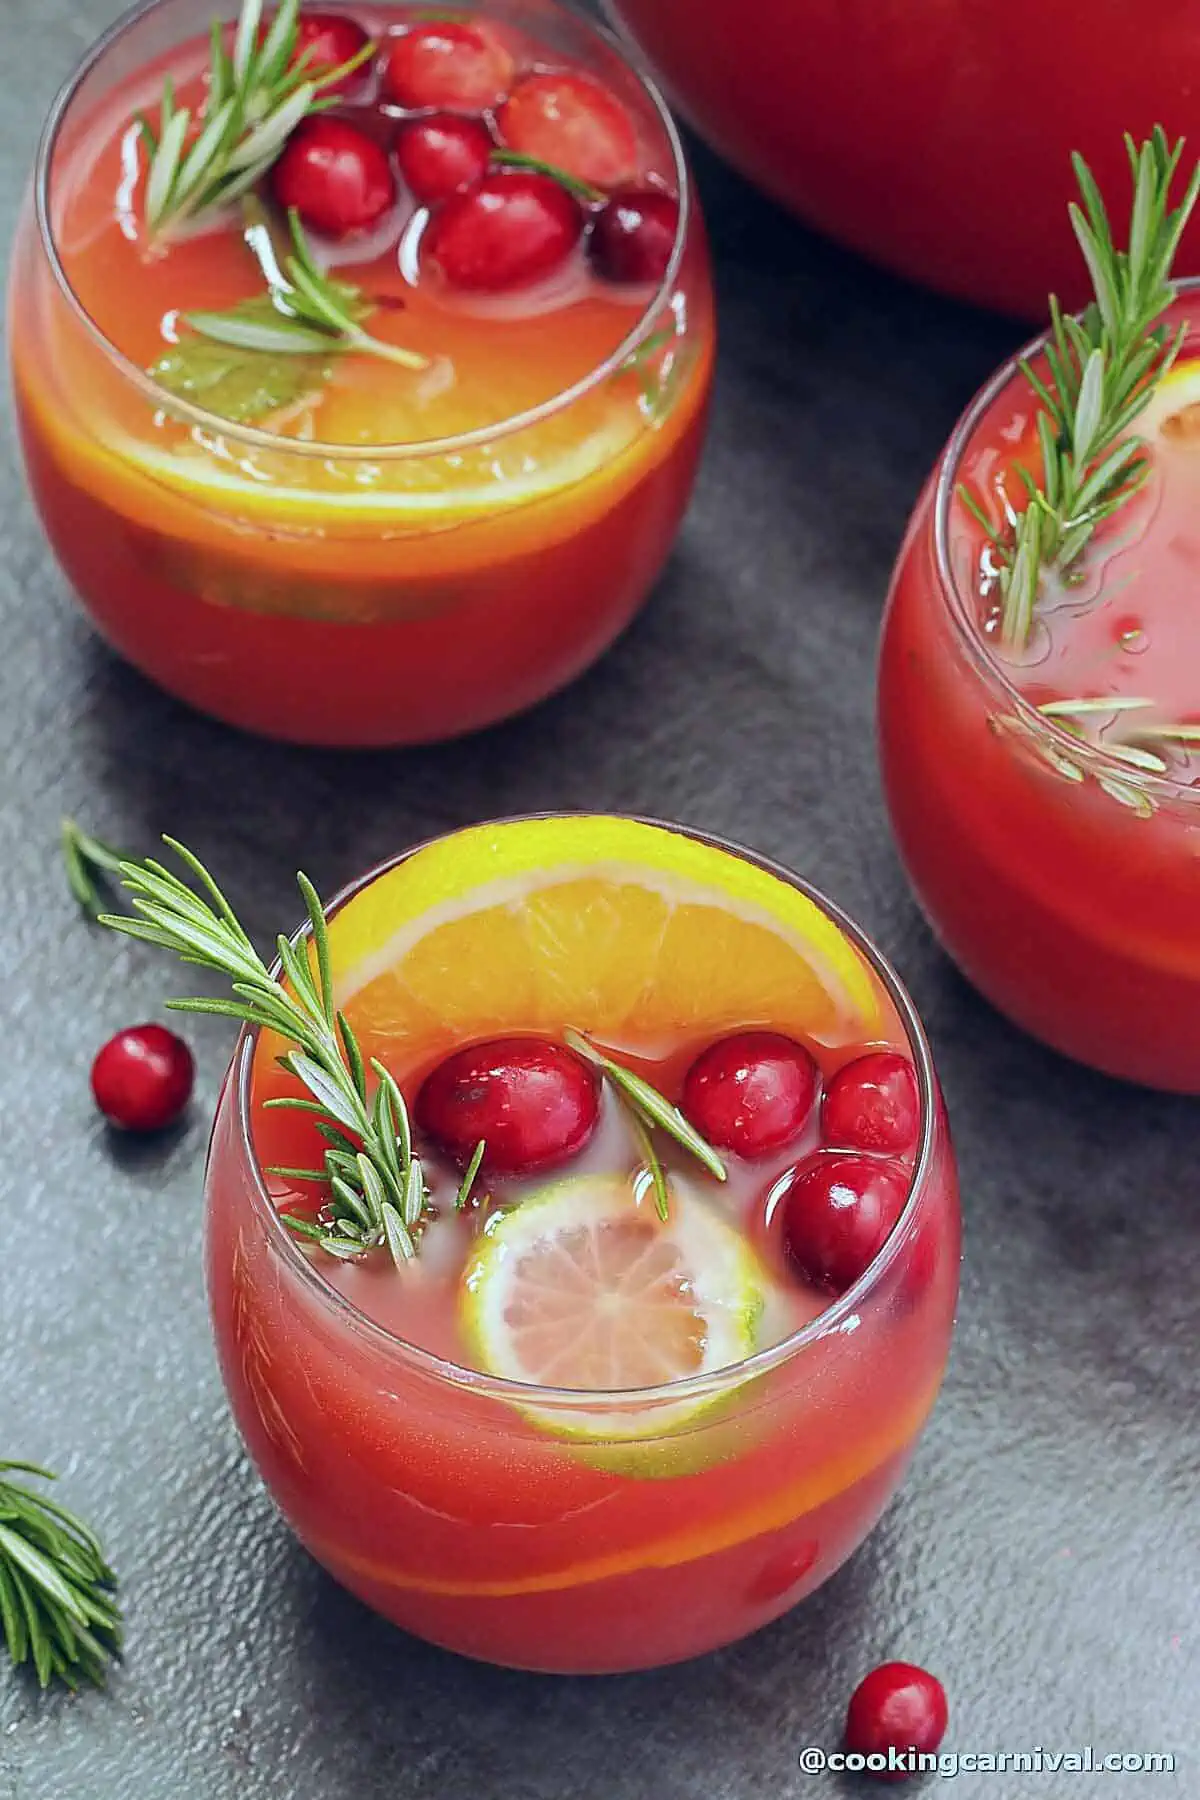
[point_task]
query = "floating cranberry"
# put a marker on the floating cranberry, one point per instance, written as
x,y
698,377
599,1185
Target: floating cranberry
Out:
x,y
752,1092
142,1078
447,63
535,1104
326,40
573,122
872,1104
837,1213
634,235
339,180
510,229
441,155
897,1707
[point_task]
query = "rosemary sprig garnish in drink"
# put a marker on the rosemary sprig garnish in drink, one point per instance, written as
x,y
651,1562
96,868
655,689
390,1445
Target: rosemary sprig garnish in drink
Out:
x,y
57,1593
264,353
1131,743
647,1109
374,1188
304,312
258,92
1102,368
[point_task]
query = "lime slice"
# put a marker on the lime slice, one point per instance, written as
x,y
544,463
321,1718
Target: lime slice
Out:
x,y
584,1286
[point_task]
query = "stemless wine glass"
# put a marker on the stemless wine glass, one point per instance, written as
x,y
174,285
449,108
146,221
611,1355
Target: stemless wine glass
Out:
x,y
344,593
1061,874
578,1531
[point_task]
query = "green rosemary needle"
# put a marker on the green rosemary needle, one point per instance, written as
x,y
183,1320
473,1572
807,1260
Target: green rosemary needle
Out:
x,y
57,1593
1102,370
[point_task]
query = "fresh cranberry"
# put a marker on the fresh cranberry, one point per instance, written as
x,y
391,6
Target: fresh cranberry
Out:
x,y
872,1104
510,229
896,1707
533,1103
837,1213
442,154
326,41
142,1078
634,234
338,179
752,1092
573,122
447,63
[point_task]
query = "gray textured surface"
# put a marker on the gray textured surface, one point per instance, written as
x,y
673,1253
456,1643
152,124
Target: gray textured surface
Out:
x,y
1044,1555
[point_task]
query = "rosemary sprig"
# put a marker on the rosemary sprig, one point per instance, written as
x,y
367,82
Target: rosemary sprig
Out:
x,y
57,1594
374,1187
1130,746
1103,368
258,92
91,865
648,1108
305,311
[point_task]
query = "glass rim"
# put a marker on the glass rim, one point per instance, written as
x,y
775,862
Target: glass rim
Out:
x,y
829,1320
253,436
1096,758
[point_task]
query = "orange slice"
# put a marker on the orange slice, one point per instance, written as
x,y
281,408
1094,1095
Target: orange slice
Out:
x,y
635,933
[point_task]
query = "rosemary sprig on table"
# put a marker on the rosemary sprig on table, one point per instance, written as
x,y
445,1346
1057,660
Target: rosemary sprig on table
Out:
x,y
57,1593
1103,368
375,1194
258,92
91,865
648,1109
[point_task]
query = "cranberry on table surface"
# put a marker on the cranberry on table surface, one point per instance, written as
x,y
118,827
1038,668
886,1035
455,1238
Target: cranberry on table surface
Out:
x,y
507,231
447,63
633,235
872,1103
896,1707
326,40
339,180
534,1104
838,1210
442,155
752,1092
573,122
142,1078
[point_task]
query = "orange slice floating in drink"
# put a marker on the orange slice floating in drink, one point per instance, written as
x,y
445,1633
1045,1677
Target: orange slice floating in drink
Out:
x,y
632,932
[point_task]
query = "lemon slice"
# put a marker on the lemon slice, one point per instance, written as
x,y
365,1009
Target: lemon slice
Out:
x,y
583,1286
1173,412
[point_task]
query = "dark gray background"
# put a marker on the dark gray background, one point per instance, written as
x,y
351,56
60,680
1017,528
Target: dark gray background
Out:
x,y
1044,1556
